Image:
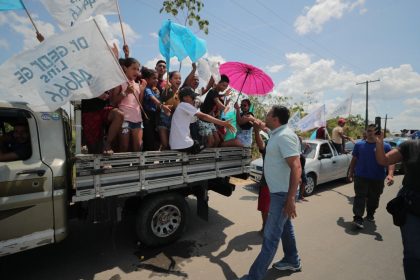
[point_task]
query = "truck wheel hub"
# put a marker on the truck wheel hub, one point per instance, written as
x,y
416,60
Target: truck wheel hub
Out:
x,y
166,220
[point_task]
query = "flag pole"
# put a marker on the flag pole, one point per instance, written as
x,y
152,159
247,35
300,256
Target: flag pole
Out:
x,y
119,17
38,34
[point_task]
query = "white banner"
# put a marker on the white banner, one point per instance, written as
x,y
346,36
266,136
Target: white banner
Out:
x,y
207,68
69,12
74,65
343,109
313,120
293,120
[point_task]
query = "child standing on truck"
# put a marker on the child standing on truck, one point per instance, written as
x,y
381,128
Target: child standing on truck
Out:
x,y
129,104
152,107
169,96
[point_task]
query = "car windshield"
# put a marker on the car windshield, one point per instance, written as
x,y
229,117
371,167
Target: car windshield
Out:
x,y
310,150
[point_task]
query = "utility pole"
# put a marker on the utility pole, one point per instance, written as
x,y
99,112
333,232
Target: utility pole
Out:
x,y
386,119
367,99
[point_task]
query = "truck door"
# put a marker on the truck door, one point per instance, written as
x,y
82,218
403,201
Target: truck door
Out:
x,y
26,209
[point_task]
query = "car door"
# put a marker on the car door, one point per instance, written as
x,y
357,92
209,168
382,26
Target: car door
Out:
x,y
26,205
327,164
340,164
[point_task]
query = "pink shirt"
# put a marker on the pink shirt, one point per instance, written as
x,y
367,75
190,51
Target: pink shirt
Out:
x,y
130,106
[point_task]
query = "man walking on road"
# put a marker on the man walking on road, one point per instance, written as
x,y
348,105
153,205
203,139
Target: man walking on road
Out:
x,y
368,177
282,172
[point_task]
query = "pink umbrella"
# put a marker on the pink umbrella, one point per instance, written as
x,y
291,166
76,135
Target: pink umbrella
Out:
x,y
247,78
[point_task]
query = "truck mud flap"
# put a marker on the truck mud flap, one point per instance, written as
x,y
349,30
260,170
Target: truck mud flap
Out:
x,y
221,186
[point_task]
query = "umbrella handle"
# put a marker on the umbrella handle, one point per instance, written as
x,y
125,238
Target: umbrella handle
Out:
x,y
240,92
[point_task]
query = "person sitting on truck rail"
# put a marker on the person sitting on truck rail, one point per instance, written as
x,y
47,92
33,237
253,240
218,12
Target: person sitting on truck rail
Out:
x,y
98,113
185,113
16,145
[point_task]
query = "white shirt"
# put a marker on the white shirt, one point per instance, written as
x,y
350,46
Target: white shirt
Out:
x,y
180,137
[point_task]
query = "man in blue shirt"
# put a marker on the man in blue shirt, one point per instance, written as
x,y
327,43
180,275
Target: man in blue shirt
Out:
x,y
368,177
282,172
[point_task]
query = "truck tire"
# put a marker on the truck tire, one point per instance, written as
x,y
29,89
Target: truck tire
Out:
x,y
162,219
310,184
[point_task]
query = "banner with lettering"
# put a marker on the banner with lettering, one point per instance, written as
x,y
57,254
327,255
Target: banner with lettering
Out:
x,y
294,120
343,109
74,65
313,120
69,12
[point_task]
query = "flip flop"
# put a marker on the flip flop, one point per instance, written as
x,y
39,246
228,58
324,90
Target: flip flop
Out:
x,y
108,152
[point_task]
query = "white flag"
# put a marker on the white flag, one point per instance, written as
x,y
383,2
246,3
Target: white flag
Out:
x,y
69,12
313,120
293,120
74,65
342,110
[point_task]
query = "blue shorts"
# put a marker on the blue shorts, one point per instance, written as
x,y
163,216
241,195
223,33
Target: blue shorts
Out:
x,y
127,126
164,121
245,137
206,128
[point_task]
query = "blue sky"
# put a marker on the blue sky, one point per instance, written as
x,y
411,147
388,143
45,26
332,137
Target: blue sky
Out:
x,y
323,47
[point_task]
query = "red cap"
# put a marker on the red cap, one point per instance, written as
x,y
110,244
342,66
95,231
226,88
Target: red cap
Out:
x,y
341,121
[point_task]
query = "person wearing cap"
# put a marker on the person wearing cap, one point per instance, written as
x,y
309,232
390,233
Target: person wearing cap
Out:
x,y
185,113
338,135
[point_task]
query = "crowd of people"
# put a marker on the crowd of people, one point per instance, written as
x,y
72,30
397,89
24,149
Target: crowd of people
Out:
x,y
145,113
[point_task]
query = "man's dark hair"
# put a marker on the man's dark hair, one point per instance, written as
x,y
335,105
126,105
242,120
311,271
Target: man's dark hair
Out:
x,y
224,78
160,61
282,113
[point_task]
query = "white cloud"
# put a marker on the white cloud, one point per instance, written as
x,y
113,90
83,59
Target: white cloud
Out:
x,y
154,35
274,68
395,94
4,44
323,11
112,31
23,26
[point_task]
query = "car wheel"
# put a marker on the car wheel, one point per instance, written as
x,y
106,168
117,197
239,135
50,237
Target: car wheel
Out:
x,y
310,184
162,219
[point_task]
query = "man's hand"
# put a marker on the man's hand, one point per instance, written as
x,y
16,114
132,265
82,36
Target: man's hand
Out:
x,y
389,180
289,209
350,176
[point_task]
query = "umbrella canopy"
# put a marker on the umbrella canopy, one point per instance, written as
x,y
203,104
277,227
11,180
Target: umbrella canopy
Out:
x,y
246,78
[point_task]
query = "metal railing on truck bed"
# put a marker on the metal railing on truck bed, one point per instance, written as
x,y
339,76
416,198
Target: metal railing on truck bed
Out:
x,y
125,173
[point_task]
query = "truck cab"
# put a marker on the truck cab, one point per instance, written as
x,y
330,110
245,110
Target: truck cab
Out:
x,y
33,189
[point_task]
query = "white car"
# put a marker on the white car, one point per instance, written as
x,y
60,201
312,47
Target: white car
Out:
x,y
323,164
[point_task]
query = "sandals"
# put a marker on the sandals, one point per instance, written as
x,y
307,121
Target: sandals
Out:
x,y
108,152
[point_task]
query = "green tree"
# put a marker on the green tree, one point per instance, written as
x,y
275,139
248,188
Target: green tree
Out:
x,y
191,10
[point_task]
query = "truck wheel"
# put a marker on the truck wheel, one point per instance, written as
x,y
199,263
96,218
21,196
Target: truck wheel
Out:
x,y
310,184
162,219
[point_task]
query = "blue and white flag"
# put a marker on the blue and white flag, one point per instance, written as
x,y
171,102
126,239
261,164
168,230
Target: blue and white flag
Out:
x,y
313,120
293,120
177,40
7,5
69,12
77,64
342,110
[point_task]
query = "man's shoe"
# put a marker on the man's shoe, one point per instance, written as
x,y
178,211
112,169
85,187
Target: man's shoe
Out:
x,y
283,265
358,222
370,218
